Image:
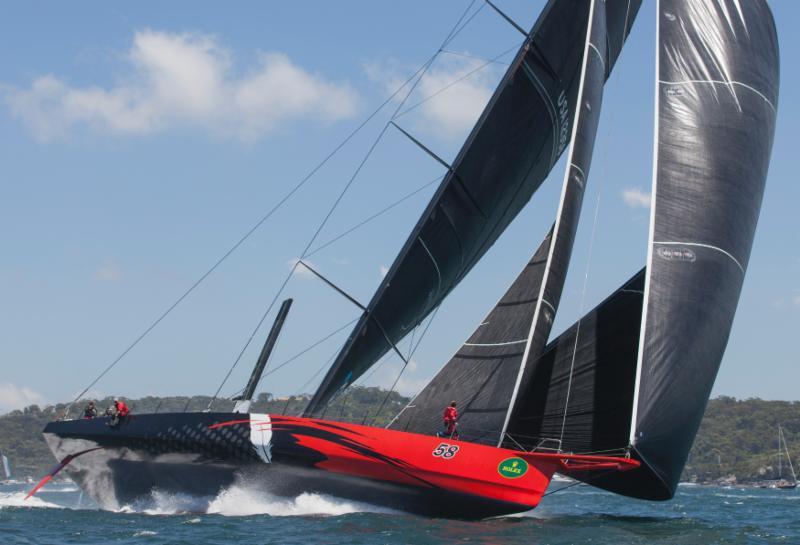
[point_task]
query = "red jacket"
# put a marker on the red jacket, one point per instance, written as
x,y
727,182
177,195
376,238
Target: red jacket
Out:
x,y
450,414
122,409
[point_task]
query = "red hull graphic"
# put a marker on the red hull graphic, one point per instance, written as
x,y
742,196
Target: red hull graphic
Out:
x,y
202,453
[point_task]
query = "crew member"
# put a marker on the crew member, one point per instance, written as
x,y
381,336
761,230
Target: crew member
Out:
x,y
90,411
121,412
450,419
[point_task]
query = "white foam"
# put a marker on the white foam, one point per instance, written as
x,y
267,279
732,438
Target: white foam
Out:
x,y
164,503
17,499
242,501
239,501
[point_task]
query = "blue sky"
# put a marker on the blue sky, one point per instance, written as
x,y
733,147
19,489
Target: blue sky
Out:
x,y
139,144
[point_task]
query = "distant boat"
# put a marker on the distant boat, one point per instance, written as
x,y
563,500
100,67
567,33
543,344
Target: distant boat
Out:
x,y
6,469
616,400
783,448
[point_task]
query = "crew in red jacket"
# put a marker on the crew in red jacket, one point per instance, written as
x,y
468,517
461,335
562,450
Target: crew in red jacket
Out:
x,y
122,409
450,418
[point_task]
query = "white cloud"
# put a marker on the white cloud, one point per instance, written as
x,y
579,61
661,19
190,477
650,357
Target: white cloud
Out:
x,y
383,270
796,300
108,273
636,198
14,397
183,80
300,270
453,111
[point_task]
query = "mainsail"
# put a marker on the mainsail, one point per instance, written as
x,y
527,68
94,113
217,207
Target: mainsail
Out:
x,y
6,467
518,138
639,378
485,375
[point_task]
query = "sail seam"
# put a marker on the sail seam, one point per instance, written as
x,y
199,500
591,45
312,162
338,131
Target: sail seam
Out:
x,y
650,237
722,82
497,344
554,237
600,56
542,90
579,169
436,265
701,245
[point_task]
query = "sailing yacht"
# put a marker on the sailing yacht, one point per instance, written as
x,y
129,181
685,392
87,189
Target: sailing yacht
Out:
x,y
783,448
6,470
616,400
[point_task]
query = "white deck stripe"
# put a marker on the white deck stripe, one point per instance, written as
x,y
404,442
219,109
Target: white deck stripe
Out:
x,y
675,243
720,82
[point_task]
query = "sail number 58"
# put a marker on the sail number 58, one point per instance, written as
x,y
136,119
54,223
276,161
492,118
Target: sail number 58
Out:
x,y
445,451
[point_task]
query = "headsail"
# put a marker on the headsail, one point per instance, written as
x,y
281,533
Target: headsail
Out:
x,y
486,374
716,98
481,375
717,94
512,148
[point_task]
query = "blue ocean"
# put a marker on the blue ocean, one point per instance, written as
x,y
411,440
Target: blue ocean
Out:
x,y
702,515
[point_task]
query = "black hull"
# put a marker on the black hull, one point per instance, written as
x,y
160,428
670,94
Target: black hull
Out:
x,y
181,454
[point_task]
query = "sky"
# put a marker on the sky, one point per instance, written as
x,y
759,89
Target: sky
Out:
x,y
139,144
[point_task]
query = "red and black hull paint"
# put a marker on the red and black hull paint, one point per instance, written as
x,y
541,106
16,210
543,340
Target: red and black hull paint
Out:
x,y
202,453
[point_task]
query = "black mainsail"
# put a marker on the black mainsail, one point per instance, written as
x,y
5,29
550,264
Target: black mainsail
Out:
x,y
487,372
510,151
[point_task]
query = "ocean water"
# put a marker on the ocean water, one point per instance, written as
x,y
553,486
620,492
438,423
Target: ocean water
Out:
x,y
697,515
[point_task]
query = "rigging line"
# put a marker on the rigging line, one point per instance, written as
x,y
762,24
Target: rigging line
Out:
x,y
576,483
405,364
592,238
459,80
416,79
468,56
374,216
324,366
252,230
307,349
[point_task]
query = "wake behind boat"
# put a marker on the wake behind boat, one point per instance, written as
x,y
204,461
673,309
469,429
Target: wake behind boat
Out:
x,y
616,400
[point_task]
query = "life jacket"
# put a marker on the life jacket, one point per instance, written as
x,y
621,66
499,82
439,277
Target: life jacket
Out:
x,y
450,414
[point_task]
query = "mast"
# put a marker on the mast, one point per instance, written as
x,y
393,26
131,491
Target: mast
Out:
x,y
509,153
243,401
780,454
587,116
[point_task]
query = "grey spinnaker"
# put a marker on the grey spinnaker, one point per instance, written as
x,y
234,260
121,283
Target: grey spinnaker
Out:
x,y
510,151
486,373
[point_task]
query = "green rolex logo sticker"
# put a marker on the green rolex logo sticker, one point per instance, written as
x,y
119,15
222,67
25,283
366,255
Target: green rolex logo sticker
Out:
x,y
511,468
